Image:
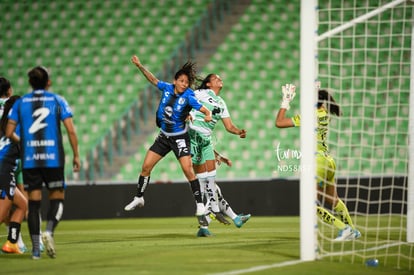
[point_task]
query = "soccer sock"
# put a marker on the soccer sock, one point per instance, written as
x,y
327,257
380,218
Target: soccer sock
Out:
x,y
343,213
195,188
20,241
33,220
211,191
202,179
224,205
142,184
208,218
226,209
54,214
14,231
327,217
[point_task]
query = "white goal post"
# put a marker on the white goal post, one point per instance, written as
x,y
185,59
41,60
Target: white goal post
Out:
x,y
362,53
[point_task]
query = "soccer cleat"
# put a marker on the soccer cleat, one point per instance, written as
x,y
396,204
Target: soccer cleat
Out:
x,y
219,217
49,243
35,255
137,201
11,248
355,235
203,232
23,248
345,234
241,219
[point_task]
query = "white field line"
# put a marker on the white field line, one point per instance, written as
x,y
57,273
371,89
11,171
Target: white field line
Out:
x,y
288,263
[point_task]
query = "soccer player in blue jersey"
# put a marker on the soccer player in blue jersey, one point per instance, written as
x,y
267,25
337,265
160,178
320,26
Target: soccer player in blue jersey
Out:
x,y
39,114
176,102
326,167
9,193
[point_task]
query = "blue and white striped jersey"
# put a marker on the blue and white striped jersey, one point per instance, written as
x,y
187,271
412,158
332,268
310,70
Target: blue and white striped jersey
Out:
x,y
39,114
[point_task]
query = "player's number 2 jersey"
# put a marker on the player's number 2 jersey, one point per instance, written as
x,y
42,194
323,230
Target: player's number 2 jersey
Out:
x,y
39,115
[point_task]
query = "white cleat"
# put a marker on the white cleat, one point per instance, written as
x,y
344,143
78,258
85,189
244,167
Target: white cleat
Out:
x,y
137,201
345,234
49,244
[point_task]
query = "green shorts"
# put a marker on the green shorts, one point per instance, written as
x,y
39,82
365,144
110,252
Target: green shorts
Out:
x,y
18,173
325,169
201,147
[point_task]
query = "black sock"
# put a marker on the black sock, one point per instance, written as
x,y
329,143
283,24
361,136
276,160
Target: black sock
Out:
x,y
54,214
142,184
33,221
14,231
195,188
33,218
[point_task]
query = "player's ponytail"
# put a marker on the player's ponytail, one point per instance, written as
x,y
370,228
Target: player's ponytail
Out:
x,y
333,107
7,106
4,87
188,69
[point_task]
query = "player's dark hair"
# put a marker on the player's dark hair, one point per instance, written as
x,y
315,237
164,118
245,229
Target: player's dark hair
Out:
x,y
38,77
333,107
4,86
204,82
188,69
7,106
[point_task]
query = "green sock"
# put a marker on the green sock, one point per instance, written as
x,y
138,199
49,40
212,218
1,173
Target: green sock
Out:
x,y
328,218
343,213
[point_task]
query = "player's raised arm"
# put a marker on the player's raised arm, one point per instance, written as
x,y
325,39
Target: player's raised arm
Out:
x,y
282,121
231,128
148,75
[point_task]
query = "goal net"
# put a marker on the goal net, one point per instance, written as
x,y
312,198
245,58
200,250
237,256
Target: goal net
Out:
x,y
364,60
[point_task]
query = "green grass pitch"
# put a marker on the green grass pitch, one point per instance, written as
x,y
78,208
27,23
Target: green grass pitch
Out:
x,y
264,245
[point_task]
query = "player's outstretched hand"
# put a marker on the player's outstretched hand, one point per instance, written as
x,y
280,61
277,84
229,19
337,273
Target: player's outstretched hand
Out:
x,y
289,93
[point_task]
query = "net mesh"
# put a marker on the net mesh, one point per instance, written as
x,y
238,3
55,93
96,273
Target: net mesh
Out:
x,y
366,67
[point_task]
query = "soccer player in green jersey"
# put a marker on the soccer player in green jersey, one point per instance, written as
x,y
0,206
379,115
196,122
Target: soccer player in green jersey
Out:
x,y
203,157
325,164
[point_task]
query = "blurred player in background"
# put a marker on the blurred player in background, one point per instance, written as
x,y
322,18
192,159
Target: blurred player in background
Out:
x,y
204,160
6,91
177,100
326,167
39,115
9,194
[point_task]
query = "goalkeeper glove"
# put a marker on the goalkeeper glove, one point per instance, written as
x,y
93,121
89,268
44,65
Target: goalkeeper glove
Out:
x,y
288,91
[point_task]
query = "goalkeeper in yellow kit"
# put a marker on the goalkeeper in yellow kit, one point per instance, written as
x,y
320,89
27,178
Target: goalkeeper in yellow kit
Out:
x,y
325,164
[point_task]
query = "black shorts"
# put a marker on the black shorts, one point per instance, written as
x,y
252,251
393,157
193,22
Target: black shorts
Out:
x,y
53,178
180,145
7,185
